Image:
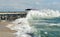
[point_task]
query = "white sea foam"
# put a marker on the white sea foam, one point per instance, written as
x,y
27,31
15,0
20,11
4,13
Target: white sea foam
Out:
x,y
22,25
43,14
39,16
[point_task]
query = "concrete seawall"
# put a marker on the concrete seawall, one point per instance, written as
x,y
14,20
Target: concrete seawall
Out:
x,y
12,15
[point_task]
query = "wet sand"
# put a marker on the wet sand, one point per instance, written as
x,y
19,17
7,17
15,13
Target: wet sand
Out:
x,y
5,31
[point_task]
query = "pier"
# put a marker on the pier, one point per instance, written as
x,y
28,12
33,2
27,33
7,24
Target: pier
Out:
x,y
12,15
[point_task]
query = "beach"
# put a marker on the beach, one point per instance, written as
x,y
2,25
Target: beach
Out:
x,y
5,31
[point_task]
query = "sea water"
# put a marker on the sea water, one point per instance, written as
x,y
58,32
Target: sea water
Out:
x,y
38,23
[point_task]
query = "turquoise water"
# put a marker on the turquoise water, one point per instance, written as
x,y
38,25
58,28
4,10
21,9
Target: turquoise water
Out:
x,y
46,26
43,26
43,23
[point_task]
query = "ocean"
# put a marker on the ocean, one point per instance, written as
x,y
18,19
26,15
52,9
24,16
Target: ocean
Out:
x,y
38,23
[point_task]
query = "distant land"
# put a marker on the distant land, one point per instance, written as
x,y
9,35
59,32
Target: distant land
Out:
x,y
10,9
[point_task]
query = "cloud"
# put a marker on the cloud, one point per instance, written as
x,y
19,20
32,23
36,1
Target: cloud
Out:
x,y
23,4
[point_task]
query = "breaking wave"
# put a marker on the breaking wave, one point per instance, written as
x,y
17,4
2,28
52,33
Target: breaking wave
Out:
x,y
43,14
43,23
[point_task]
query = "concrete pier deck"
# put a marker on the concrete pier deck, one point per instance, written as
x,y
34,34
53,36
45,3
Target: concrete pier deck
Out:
x,y
12,15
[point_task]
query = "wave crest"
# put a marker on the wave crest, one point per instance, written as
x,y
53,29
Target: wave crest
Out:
x,y
43,14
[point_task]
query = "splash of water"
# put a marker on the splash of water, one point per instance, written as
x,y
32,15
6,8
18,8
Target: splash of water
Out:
x,y
22,27
43,14
39,20
45,21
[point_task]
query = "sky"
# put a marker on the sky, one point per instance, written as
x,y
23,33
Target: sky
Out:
x,y
18,5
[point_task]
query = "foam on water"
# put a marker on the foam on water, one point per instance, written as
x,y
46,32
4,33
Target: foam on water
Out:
x,y
45,21
43,14
39,20
22,27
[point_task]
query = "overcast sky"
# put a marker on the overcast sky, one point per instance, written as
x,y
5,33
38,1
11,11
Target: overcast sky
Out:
x,y
16,5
